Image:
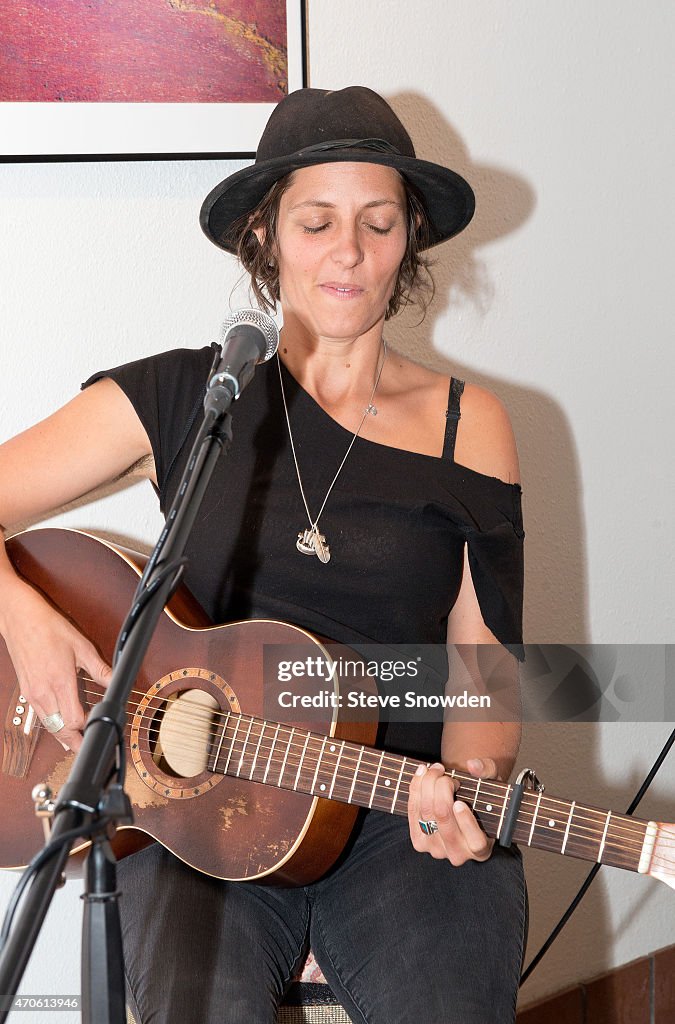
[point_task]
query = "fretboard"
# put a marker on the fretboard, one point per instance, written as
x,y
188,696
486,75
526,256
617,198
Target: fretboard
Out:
x,y
306,762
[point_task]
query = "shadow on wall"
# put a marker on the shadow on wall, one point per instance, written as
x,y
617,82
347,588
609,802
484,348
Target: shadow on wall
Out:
x,y
555,599
556,570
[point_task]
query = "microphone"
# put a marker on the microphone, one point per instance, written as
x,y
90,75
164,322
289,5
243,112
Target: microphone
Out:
x,y
247,337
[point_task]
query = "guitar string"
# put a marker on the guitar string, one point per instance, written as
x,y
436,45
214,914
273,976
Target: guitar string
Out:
x,y
620,847
287,763
498,787
228,716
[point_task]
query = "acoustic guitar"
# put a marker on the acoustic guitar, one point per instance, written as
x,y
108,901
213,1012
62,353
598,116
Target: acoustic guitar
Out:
x,y
227,790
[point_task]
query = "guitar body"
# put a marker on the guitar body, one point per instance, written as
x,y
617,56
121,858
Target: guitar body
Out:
x,y
223,825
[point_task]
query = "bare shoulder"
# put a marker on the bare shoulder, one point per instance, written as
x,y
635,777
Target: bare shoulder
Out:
x,y
419,402
485,439
413,378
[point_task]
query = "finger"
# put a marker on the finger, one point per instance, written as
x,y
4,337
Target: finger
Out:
x,y
58,693
482,767
433,799
421,806
473,837
436,795
92,663
448,842
69,737
417,837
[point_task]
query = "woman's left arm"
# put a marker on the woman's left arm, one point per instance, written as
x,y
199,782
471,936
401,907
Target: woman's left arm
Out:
x,y
477,663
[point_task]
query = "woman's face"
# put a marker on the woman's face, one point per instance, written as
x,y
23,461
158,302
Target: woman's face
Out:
x,y
341,237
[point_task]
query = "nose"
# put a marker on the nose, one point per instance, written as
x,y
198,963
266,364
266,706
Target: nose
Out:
x,y
347,248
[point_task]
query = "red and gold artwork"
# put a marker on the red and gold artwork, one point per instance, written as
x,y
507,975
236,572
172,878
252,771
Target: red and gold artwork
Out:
x,y
135,51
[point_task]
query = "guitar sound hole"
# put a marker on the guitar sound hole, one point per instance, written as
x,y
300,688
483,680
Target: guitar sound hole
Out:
x,y
182,733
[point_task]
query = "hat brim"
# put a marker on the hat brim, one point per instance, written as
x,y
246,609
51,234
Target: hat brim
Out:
x,y
448,197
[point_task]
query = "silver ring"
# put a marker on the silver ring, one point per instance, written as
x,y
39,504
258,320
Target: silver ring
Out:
x,y
53,723
428,827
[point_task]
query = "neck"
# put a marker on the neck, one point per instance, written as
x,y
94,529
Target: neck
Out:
x,y
335,371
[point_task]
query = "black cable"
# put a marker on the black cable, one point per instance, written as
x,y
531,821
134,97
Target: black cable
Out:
x,y
143,595
596,867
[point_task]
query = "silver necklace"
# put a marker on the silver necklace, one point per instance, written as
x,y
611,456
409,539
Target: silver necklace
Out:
x,y
311,541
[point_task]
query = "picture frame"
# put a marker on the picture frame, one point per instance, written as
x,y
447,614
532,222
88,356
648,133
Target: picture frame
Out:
x,y
34,130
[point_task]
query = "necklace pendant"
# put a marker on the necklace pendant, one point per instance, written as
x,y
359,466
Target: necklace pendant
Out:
x,y
320,547
371,410
311,542
305,542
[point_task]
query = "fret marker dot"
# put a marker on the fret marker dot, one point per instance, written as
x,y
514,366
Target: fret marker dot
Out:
x,y
387,782
551,823
488,807
322,786
332,749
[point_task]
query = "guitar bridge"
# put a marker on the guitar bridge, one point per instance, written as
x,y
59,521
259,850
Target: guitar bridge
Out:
x,y
21,731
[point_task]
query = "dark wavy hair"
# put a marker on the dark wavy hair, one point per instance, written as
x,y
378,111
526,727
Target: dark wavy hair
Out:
x,y
414,284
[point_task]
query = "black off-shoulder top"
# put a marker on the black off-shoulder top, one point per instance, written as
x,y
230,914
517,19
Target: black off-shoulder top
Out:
x,y
396,521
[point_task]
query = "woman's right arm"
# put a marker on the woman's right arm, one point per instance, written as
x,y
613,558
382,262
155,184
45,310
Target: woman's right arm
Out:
x,y
91,441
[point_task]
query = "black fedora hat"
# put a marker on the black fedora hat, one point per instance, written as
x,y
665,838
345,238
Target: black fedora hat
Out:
x,y
316,126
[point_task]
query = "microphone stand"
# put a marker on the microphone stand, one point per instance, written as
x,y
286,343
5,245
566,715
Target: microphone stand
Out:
x,y
92,801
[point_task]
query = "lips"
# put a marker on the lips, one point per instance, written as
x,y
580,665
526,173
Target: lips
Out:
x,y
340,290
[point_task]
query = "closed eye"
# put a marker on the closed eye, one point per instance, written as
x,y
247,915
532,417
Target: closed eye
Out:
x,y
314,230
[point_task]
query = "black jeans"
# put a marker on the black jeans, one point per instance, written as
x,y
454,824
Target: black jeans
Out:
x,y
400,937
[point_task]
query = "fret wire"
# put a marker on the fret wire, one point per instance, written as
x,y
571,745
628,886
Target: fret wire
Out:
x,y
220,744
337,765
243,748
273,744
302,758
534,816
325,768
318,765
377,775
567,830
604,836
257,749
356,772
234,738
501,818
285,757
398,784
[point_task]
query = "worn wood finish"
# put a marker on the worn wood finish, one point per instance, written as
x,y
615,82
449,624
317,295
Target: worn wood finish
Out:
x,y
237,828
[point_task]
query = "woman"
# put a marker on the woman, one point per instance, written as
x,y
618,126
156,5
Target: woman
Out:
x,y
364,509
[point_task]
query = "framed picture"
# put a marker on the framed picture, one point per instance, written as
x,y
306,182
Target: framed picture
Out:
x,y
161,78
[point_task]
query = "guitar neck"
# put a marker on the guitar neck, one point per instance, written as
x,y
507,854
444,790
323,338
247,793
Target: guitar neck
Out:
x,y
305,762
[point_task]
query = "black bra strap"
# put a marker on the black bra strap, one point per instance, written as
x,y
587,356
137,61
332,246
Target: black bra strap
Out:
x,y
453,415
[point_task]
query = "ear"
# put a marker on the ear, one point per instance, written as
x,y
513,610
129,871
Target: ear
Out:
x,y
259,234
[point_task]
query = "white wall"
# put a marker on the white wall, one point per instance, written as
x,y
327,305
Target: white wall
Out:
x,y
556,297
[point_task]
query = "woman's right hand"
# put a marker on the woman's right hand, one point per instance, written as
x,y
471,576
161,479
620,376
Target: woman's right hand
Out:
x,y
47,652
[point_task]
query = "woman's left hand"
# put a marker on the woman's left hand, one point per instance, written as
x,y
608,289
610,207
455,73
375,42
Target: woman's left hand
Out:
x,y
432,798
